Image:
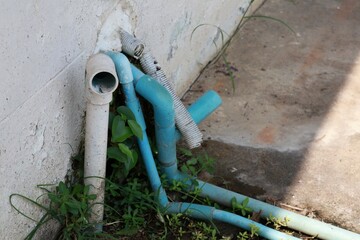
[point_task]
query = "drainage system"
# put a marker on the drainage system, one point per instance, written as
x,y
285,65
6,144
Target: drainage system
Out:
x,y
134,81
102,79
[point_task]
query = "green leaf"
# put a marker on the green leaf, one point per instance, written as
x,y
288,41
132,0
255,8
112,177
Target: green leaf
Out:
x,y
131,160
125,134
87,189
77,189
125,149
184,169
192,161
118,127
135,128
245,202
192,170
63,189
132,163
243,212
126,111
63,209
135,155
233,202
186,152
53,198
73,207
115,153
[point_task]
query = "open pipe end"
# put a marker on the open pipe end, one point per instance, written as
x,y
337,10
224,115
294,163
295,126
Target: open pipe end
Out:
x,y
101,79
103,83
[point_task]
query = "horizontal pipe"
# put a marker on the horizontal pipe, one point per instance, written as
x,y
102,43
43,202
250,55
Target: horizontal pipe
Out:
x,y
295,221
210,214
202,108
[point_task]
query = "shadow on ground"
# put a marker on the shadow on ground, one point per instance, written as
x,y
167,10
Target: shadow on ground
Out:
x,y
290,133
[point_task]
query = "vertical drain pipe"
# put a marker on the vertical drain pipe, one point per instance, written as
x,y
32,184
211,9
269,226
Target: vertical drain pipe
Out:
x,y
101,82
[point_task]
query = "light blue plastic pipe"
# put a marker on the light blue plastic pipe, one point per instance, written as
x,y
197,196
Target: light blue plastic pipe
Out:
x,y
125,77
199,110
162,103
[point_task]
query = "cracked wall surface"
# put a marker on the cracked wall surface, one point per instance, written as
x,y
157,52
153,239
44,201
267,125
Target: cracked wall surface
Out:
x,y
44,47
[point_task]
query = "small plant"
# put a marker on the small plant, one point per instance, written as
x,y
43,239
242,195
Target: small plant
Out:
x,y
253,233
194,164
254,230
123,150
209,230
69,206
241,207
242,236
276,222
182,227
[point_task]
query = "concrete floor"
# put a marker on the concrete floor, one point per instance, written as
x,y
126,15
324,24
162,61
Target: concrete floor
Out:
x,y
290,132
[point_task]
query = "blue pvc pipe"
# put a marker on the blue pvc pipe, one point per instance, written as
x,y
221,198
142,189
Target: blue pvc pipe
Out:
x,y
202,108
295,221
125,77
199,110
211,214
165,127
137,74
246,223
164,116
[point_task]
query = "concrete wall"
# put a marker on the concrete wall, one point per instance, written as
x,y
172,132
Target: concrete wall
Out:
x,y
44,47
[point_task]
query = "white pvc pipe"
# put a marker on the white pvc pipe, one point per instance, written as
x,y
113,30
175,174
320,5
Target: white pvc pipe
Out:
x,y
101,82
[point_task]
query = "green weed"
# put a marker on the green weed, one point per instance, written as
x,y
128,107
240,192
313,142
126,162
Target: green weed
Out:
x,y
194,164
241,207
69,206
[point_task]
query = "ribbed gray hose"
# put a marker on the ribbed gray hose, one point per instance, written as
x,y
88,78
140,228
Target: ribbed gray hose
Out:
x,y
186,125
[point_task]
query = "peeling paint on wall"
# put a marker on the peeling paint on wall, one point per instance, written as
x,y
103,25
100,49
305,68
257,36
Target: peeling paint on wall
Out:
x,y
109,35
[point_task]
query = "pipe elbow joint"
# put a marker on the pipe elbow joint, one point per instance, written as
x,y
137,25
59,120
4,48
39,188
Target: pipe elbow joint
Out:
x,y
160,98
122,65
101,79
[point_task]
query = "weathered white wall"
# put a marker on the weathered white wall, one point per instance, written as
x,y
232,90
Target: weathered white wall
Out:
x,y
44,46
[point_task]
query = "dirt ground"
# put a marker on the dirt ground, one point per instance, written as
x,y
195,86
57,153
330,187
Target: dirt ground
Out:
x,y
290,132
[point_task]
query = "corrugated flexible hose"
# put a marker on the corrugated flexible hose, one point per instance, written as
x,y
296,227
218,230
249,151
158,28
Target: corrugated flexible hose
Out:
x,y
184,122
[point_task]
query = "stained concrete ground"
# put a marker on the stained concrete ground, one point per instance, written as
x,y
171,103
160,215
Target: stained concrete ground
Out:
x,y
290,132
